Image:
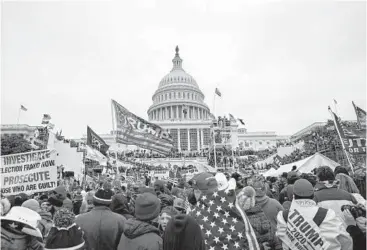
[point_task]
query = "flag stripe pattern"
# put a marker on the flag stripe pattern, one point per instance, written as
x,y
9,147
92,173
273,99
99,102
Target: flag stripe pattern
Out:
x,y
132,129
223,224
361,116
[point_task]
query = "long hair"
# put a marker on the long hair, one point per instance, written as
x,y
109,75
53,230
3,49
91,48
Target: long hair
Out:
x,y
346,183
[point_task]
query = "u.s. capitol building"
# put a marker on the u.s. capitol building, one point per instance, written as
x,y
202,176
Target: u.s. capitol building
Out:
x,y
179,106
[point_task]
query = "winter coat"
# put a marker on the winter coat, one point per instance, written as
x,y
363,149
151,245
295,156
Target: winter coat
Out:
x,y
330,197
11,241
46,223
139,235
265,233
271,208
286,194
102,228
331,228
120,205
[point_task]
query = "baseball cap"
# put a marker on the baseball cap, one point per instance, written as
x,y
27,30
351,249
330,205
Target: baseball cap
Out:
x,y
205,182
259,186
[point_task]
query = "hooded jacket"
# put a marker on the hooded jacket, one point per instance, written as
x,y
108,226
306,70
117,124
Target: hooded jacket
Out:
x,y
102,228
331,229
271,208
139,235
265,232
330,197
120,205
45,223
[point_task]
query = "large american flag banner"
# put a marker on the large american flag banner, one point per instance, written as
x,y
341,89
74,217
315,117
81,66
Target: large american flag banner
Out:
x,y
133,130
224,226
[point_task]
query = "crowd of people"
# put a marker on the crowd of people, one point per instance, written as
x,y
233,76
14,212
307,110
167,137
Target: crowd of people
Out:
x,y
209,211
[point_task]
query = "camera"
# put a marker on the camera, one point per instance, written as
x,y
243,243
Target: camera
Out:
x,y
356,211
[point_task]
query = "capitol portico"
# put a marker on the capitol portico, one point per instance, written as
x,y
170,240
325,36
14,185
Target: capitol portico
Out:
x,y
178,106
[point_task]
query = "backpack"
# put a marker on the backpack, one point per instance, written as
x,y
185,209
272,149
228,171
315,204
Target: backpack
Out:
x,y
318,218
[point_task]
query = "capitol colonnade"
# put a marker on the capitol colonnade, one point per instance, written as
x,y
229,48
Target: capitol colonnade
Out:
x,y
176,112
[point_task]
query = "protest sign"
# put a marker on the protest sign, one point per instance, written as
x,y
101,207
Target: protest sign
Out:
x,y
302,233
28,172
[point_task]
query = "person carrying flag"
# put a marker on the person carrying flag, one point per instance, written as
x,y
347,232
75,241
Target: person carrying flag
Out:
x,y
220,218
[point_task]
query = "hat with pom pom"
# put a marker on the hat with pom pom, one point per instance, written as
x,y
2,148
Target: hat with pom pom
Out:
x,y
246,198
65,234
104,195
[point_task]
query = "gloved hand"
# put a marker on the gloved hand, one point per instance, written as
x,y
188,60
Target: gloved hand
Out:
x,y
362,223
348,218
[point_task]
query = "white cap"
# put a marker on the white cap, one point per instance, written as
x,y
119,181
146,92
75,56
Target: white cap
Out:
x,y
222,181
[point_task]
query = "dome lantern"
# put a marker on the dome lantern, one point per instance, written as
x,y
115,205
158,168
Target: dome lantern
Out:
x,y
177,61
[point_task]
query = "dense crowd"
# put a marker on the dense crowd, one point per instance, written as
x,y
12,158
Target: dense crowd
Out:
x,y
192,215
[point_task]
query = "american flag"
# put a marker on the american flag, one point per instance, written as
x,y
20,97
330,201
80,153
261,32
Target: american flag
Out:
x,y
224,226
217,91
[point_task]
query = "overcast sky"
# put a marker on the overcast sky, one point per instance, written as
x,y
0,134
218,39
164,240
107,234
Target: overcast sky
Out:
x,y
278,65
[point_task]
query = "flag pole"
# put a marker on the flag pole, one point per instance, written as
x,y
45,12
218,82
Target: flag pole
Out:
x,y
115,135
341,140
215,152
336,108
19,115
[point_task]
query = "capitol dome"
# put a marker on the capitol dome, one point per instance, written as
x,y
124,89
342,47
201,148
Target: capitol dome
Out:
x,y
178,96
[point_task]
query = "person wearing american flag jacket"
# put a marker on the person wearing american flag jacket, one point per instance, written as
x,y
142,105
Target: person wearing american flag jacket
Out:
x,y
222,222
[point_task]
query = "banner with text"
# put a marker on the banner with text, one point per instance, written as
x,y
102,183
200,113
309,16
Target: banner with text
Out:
x,y
134,130
28,172
354,140
303,234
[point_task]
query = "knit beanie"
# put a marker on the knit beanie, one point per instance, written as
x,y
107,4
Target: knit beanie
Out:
x,y
65,234
32,204
182,233
147,207
259,186
120,204
246,198
303,188
158,185
103,197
